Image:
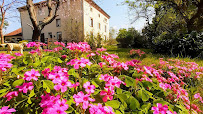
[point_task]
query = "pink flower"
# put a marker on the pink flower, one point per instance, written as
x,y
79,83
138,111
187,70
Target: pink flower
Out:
x,y
89,88
165,86
161,109
57,49
25,87
146,78
99,109
114,82
105,77
101,64
101,49
62,84
5,110
75,85
29,75
59,43
48,50
108,94
147,70
46,72
18,54
10,95
197,96
79,63
81,46
91,54
53,105
64,56
84,99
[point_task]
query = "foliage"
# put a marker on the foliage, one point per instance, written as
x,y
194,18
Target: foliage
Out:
x,y
138,52
99,41
188,45
129,38
90,39
187,11
74,79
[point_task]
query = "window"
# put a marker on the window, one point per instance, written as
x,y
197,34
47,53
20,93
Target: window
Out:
x,y
91,22
105,37
105,28
99,15
99,26
105,20
91,9
59,36
50,34
58,22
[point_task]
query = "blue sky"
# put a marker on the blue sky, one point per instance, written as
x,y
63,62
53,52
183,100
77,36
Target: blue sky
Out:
x,y
119,16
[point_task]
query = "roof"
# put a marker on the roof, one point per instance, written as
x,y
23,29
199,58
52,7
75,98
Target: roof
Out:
x,y
89,1
17,32
98,8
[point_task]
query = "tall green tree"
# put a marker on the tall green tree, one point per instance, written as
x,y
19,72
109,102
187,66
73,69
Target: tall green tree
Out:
x,y
189,11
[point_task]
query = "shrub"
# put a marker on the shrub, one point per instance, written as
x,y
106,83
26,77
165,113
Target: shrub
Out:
x,y
77,80
136,53
188,45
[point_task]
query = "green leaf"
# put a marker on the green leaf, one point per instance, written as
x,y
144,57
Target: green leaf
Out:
x,y
96,91
117,112
119,90
71,71
146,106
136,75
134,103
114,104
44,59
29,101
129,81
18,82
95,84
32,93
48,85
70,101
70,109
143,95
160,101
3,90
36,64
59,60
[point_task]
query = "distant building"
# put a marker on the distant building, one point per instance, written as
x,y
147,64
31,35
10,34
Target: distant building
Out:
x,y
14,36
76,20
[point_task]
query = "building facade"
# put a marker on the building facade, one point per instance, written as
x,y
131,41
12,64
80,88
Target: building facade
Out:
x,y
14,36
76,20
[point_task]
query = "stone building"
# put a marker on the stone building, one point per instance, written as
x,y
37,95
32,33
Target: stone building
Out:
x,y
76,19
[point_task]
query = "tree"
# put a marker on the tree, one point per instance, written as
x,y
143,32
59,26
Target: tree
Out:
x,y
112,33
124,38
5,6
190,11
52,14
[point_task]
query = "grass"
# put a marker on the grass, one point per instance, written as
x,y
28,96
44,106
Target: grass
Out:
x,y
150,58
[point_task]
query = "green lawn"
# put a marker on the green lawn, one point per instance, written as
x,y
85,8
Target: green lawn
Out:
x,y
150,58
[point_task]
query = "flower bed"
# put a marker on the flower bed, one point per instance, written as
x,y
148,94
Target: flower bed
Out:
x,y
75,79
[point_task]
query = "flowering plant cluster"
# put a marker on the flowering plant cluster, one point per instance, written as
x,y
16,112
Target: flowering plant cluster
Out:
x,y
137,52
77,79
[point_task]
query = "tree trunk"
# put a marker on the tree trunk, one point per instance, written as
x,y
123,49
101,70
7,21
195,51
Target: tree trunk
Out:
x,y
2,36
36,35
